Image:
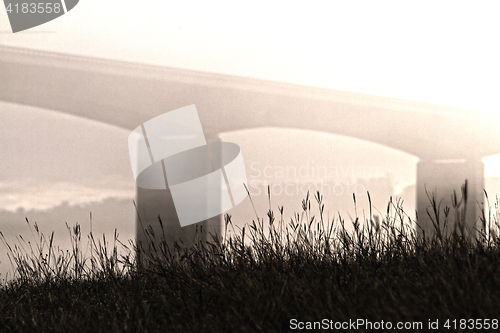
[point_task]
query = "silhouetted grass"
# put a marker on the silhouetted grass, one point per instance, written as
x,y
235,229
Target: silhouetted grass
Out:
x,y
308,269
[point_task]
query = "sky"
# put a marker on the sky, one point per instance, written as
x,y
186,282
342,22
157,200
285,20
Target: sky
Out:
x,y
445,53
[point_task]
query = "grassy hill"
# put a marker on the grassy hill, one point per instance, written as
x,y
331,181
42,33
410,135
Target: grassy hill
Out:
x,y
305,273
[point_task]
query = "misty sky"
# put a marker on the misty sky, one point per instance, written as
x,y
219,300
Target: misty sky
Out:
x,y
444,53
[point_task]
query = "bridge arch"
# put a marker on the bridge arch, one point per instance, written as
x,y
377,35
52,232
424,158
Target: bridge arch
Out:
x,y
336,165
125,95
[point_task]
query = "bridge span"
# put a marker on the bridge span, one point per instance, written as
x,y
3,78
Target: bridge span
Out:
x,y
445,139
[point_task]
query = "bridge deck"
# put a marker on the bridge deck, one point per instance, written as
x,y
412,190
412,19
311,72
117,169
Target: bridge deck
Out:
x,y
127,94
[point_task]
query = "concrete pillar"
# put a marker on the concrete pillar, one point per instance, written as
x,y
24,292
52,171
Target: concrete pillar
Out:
x,y
443,177
153,203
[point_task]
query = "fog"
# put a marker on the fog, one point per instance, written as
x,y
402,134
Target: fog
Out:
x,y
57,168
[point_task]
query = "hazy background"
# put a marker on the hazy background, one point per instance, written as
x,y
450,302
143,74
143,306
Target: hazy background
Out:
x,y
56,168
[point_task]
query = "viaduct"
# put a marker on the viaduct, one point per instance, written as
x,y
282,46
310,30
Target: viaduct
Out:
x,y
445,139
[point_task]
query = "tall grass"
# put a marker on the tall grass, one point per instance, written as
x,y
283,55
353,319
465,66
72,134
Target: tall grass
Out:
x,y
307,267
44,261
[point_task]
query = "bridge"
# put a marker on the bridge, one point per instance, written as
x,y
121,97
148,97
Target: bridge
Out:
x,y
124,94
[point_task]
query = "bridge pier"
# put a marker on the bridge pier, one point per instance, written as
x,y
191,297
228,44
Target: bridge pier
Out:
x,y
159,202
443,177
